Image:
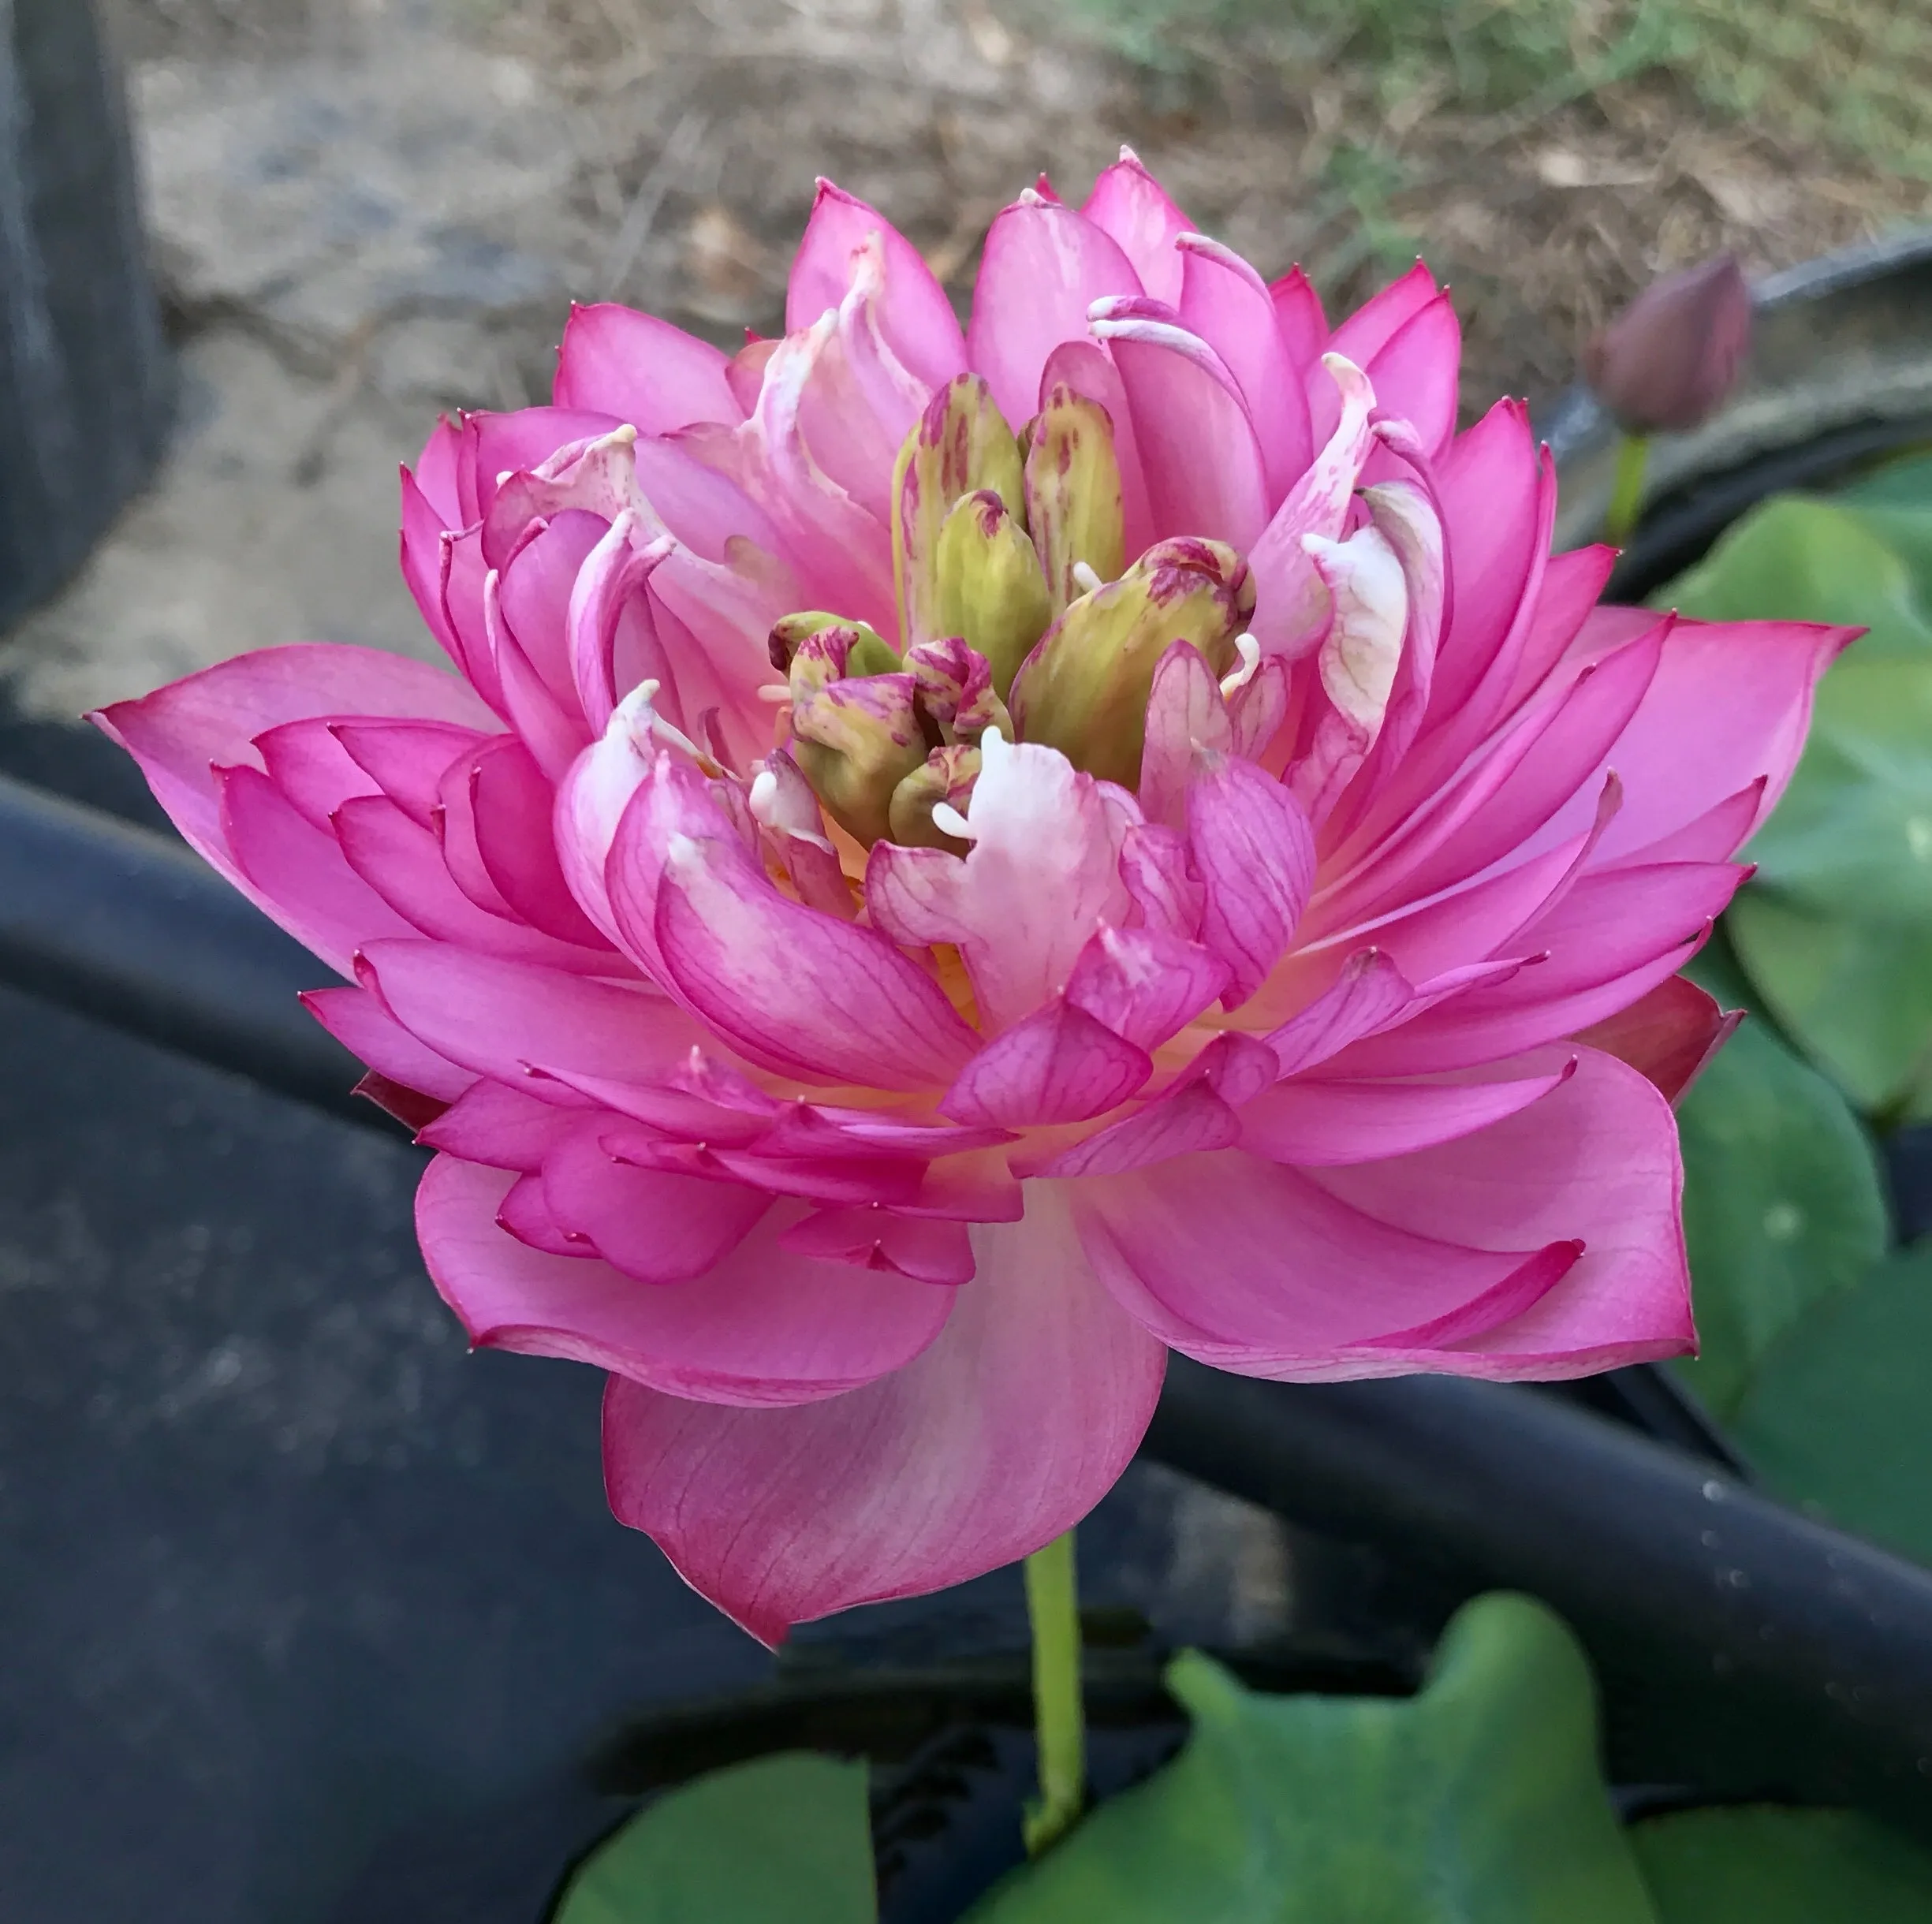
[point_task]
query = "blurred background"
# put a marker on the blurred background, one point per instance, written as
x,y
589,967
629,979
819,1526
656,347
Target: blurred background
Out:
x,y
363,211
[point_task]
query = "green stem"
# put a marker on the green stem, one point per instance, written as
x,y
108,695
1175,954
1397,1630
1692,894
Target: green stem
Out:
x,y
1053,1607
1620,523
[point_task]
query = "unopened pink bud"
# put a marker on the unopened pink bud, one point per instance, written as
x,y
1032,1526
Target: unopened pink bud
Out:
x,y
1667,362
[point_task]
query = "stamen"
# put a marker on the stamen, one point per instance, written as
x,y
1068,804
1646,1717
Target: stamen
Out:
x,y
1086,580
1249,650
777,693
948,820
763,799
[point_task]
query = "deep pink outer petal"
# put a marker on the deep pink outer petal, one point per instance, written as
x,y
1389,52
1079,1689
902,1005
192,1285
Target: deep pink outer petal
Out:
x,y
1129,204
1003,1433
915,317
642,370
179,732
765,1328
1596,1159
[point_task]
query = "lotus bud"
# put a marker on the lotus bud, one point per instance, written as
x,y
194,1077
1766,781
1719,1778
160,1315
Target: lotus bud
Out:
x,y
850,647
956,692
1073,494
855,739
961,444
948,776
1667,362
1084,689
990,590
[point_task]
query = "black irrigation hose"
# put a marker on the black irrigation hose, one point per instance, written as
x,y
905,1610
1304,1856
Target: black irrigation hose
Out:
x,y
1743,1649
116,923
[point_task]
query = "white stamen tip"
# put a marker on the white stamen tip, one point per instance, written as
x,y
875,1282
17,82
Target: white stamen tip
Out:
x,y
1031,197
763,798
504,476
1249,650
1088,582
948,820
777,693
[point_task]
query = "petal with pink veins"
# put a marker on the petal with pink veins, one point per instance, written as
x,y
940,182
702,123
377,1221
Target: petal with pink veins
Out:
x,y
500,1126
511,807
1254,852
1042,873
503,1018
1059,1065
806,993
1146,984
641,369
998,1438
765,1328
1668,1036
1186,714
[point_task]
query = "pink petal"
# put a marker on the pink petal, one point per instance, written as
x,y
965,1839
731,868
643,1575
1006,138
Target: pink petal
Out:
x,y
1597,1159
503,1018
1058,1065
1572,585
1001,1435
405,866
296,874
406,760
1252,843
1315,1125
358,1022
1043,873
424,557
1730,702
1144,984
512,805
927,1250
1043,267
1291,606
1256,1268
1298,317
765,1328
179,732
436,474
1128,202
820,997
641,369
1186,713
1197,446
1374,324
494,1124
306,760
1668,1037
1414,373
916,317
1225,303
653,1224
1158,872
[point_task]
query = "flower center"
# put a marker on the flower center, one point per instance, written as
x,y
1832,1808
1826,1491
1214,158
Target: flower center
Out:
x,y
1017,613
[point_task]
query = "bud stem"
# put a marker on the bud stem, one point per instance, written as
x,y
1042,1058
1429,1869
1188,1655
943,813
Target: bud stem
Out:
x,y
1053,1609
1620,520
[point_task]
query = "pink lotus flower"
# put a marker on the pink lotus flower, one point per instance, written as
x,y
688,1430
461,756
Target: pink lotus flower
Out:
x,y
897,924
